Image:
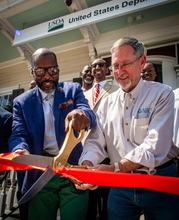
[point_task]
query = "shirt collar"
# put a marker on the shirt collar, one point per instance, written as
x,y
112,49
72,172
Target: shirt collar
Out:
x,y
102,83
135,92
44,94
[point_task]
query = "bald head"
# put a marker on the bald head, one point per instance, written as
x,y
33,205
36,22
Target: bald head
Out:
x,y
42,52
87,67
99,60
45,69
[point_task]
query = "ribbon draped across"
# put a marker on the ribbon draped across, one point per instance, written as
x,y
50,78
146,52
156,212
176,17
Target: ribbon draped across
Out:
x,y
102,178
6,163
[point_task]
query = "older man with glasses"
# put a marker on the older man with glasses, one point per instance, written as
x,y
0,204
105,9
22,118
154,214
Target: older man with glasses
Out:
x,y
40,122
135,129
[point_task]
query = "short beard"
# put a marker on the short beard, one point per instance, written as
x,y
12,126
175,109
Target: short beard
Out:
x,y
50,90
127,86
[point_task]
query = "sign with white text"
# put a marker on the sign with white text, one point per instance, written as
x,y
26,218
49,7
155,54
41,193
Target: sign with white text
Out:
x,y
84,17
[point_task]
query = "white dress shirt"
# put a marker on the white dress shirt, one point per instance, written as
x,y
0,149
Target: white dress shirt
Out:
x,y
50,142
136,126
176,119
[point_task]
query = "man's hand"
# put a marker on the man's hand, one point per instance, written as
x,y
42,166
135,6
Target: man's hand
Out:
x,y
87,163
79,120
127,165
85,186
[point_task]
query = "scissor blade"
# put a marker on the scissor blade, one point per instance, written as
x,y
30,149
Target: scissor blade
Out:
x,y
34,160
37,186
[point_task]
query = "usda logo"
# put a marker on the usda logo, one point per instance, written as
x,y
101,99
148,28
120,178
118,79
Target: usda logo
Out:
x,y
55,24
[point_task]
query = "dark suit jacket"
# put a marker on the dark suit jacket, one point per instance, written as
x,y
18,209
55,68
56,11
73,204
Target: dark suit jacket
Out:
x,y
28,122
5,129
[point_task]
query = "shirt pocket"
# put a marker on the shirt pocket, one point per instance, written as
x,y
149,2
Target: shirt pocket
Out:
x,y
139,130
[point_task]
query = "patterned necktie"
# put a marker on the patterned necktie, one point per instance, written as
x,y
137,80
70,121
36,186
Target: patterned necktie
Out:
x,y
96,93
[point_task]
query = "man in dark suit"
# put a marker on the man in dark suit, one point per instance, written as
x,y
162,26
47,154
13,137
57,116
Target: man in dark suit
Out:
x,y
5,132
5,129
41,119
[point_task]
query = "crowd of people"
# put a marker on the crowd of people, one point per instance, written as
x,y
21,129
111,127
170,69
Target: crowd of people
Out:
x,y
131,127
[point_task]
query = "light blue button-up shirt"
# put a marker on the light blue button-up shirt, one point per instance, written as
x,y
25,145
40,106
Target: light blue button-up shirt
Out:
x,y
50,142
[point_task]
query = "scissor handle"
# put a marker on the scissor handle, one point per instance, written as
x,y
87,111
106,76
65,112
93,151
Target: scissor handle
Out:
x,y
68,145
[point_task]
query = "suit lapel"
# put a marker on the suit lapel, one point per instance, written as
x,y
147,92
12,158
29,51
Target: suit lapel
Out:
x,y
37,109
59,98
89,97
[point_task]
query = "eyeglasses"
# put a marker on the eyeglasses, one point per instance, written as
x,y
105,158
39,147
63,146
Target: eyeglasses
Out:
x,y
124,66
97,64
40,71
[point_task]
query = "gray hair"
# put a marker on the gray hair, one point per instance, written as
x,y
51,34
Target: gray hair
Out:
x,y
133,42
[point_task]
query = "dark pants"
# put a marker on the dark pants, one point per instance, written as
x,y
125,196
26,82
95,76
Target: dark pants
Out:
x,y
59,193
97,204
128,203
23,209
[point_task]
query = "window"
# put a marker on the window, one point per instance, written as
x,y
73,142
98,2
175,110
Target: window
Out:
x,y
7,99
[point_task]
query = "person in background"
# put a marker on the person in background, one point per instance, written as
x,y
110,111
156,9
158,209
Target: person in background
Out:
x,y
32,84
134,129
87,78
176,118
176,124
5,129
149,71
97,206
5,132
40,122
99,71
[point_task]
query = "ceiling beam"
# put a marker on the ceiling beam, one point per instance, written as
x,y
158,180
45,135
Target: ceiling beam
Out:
x,y
23,6
90,32
8,31
5,4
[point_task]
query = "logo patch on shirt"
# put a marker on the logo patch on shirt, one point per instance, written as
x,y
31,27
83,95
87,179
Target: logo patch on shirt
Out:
x,y
144,110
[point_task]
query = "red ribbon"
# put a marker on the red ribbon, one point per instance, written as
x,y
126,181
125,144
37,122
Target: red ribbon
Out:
x,y
102,178
6,163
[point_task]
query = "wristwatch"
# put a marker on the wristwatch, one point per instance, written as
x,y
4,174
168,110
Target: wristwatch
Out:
x,y
116,167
